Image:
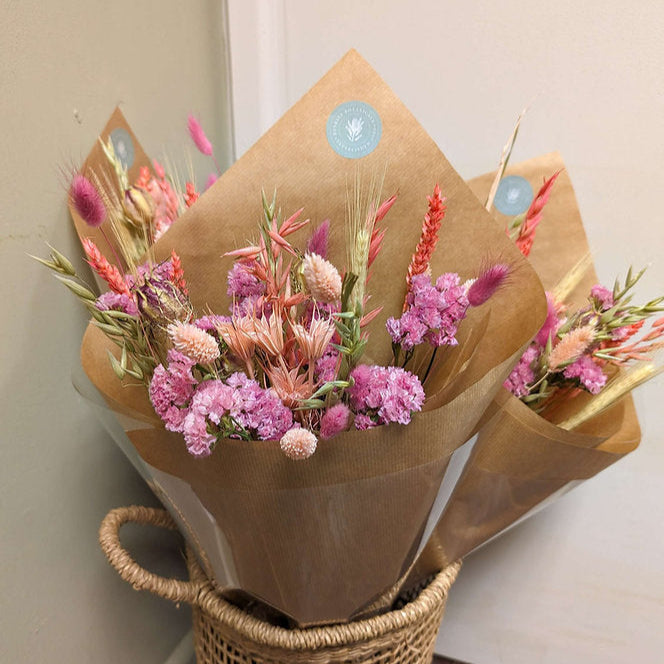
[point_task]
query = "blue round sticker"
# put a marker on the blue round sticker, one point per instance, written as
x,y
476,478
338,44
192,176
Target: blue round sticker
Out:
x,y
123,146
354,129
514,195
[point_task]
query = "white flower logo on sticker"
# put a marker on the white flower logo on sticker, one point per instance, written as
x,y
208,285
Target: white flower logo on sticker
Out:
x,y
354,129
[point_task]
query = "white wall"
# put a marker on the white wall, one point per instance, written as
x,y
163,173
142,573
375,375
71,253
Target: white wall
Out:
x,y
59,472
583,582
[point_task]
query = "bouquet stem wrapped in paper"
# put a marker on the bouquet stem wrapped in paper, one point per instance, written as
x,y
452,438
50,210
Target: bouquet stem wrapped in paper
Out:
x,y
519,461
322,540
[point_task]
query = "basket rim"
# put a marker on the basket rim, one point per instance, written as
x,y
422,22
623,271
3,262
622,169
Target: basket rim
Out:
x,y
335,635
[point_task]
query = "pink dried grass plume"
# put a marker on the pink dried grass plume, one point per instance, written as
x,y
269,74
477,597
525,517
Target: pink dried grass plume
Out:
x,y
198,136
109,273
319,240
87,201
551,324
193,342
571,346
526,237
298,444
488,282
419,263
212,178
334,421
322,278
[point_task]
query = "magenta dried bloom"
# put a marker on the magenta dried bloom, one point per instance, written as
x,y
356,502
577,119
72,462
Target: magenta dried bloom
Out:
x,y
111,301
588,373
488,282
171,389
198,136
334,421
328,365
87,201
522,376
603,296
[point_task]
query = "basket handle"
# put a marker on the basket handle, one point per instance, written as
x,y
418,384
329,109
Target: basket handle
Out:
x,y
128,569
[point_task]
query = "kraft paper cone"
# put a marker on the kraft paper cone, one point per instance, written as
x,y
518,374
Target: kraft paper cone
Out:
x,y
519,461
321,540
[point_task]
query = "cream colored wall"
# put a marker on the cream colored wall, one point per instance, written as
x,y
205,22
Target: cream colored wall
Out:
x,y
584,581
59,472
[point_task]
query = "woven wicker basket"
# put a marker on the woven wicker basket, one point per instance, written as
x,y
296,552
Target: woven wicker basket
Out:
x,y
224,634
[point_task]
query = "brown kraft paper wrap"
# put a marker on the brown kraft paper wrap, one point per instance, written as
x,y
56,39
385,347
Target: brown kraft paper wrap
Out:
x,y
320,540
520,461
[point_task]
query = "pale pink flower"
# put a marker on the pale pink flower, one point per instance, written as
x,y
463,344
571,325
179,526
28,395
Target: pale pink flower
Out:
x,y
291,386
193,342
298,444
269,333
238,334
322,278
571,346
314,341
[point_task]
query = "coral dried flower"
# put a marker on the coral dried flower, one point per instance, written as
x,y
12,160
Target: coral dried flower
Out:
x,y
193,342
419,263
87,201
178,272
109,273
322,278
191,195
526,237
298,444
571,346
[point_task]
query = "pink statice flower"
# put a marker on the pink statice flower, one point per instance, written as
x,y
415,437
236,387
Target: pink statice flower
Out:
x,y
171,389
588,373
259,412
111,301
211,402
433,312
335,420
385,394
244,289
328,365
603,296
523,375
